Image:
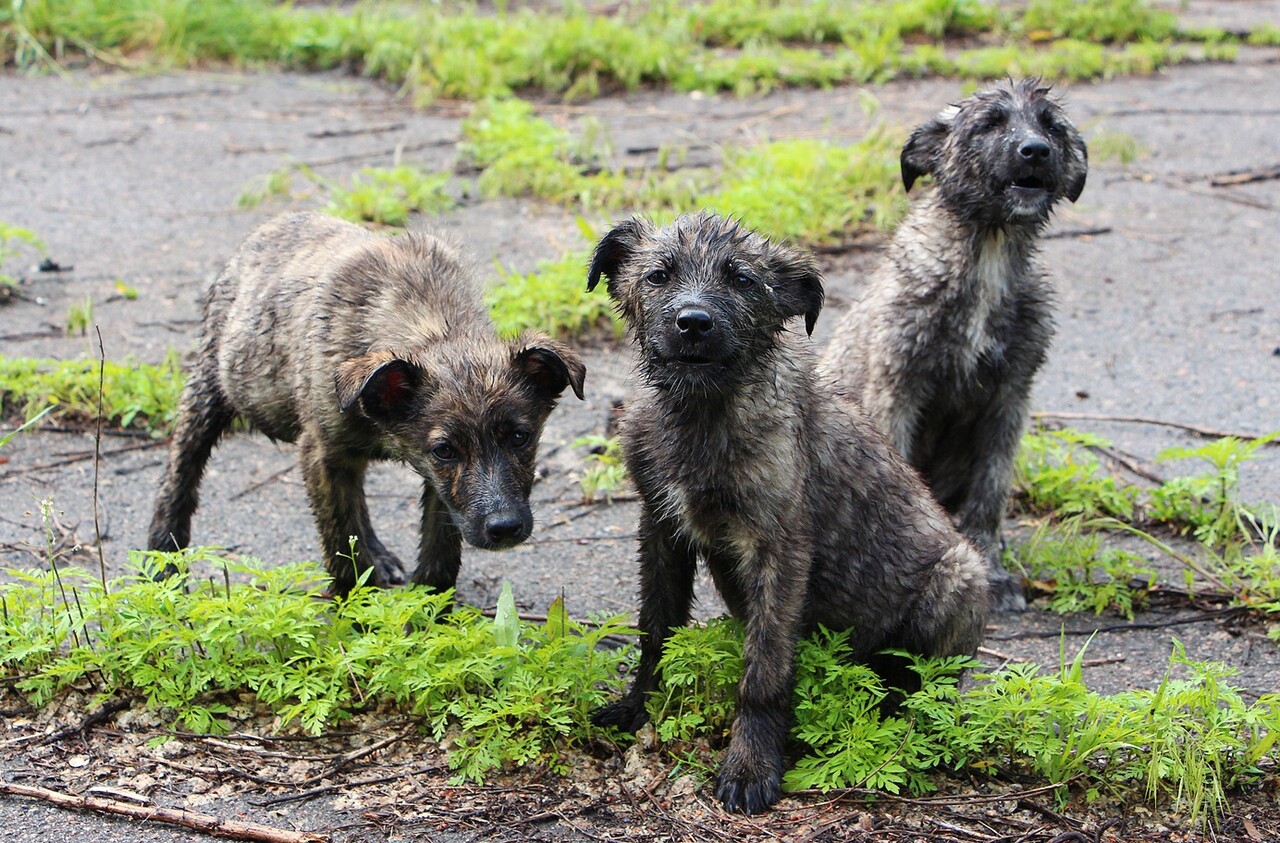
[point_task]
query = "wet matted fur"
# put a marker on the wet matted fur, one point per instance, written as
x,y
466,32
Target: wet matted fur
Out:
x,y
362,347
745,459
944,346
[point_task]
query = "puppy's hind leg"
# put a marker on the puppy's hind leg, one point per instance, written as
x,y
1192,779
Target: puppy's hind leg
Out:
x,y
204,414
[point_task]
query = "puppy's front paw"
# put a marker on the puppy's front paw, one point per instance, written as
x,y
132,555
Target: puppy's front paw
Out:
x,y
748,788
1006,594
388,570
626,714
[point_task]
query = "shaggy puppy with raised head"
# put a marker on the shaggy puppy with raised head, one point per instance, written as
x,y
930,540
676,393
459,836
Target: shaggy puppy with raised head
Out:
x,y
944,346
361,347
746,460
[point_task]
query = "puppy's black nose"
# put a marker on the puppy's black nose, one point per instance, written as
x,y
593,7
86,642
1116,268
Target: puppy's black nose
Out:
x,y
1034,149
694,322
504,528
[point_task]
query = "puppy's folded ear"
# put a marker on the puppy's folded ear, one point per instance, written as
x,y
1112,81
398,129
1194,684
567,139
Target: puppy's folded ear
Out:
x,y
547,365
382,384
799,285
615,249
1077,166
923,150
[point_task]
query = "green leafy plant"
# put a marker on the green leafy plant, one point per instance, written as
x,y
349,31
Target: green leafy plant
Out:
x,y
1055,473
511,693
517,693
552,298
701,666
812,190
12,241
275,185
379,195
1121,147
80,317
1209,505
439,50
1099,20
1080,574
133,394
1183,744
605,470
388,196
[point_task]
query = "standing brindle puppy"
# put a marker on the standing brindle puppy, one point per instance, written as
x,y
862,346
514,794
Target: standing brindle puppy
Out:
x,y
943,349
361,347
744,458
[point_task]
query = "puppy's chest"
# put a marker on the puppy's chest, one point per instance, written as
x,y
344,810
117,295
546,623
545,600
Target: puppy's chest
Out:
x,y
725,486
984,314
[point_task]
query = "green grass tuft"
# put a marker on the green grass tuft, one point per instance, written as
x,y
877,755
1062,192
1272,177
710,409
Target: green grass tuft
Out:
x,y
553,298
1120,147
135,395
734,45
12,241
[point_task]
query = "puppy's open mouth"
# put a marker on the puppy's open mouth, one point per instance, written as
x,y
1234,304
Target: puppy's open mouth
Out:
x,y
693,360
1029,184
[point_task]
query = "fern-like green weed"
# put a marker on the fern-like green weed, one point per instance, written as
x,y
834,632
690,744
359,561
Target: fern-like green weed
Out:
x,y
184,644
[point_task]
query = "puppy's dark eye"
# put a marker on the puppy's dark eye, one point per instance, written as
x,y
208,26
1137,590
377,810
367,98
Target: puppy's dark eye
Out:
x,y
657,278
742,280
519,438
444,452
992,120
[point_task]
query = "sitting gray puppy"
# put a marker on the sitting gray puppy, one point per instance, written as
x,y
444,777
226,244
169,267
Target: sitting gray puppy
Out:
x,y
955,323
747,460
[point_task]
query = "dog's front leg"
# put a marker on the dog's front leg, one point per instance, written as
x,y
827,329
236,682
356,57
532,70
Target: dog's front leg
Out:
x,y
440,546
335,487
979,517
667,565
775,583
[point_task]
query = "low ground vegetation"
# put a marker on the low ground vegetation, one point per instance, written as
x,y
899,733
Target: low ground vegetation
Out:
x,y
456,51
505,693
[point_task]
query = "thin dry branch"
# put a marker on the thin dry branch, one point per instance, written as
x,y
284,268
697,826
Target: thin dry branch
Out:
x,y
93,718
1245,176
203,823
1195,429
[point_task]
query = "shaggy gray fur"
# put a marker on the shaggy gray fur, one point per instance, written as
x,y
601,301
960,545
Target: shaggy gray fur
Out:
x,y
943,348
744,458
361,347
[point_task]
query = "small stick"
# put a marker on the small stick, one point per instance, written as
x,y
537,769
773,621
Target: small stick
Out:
x,y
330,788
97,459
1204,617
1076,232
204,823
253,487
31,469
91,719
1205,432
1235,177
